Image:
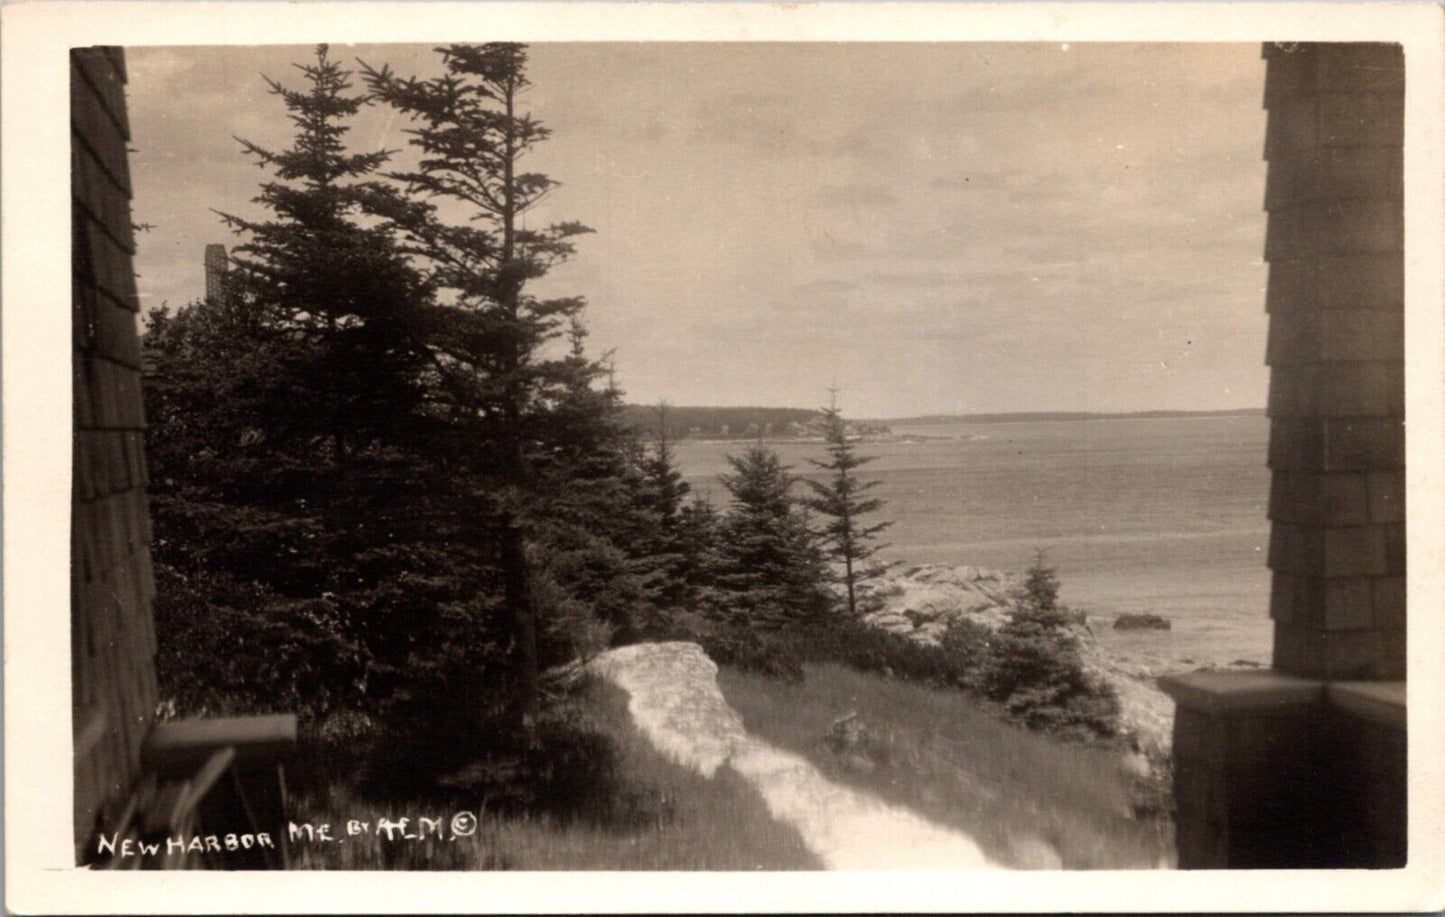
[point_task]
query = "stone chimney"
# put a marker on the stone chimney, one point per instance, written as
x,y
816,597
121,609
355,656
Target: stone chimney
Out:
x,y
217,267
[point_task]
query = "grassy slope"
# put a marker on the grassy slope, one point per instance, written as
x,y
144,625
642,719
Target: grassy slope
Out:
x,y
660,816
941,756
953,762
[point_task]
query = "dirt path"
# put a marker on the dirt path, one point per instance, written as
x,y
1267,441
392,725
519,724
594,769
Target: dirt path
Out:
x,y
675,701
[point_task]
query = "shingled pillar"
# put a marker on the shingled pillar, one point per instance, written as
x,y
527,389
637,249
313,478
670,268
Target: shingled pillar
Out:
x,y
1305,765
1337,358
113,639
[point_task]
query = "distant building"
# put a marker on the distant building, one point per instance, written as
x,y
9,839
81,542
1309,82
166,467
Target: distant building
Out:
x,y
218,266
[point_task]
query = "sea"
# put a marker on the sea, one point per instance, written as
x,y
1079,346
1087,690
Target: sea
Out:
x,y
1162,516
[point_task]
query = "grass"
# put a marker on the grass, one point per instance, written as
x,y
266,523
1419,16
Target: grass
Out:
x,y
941,754
653,815
935,751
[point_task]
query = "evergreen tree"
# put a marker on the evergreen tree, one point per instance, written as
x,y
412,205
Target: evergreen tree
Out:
x,y
662,497
298,512
488,349
771,570
596,528
669,489
1036,669
841,499
699,538
341,292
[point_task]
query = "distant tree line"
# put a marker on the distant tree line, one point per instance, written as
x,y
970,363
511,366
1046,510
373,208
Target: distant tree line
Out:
x,y
1050,416
741,423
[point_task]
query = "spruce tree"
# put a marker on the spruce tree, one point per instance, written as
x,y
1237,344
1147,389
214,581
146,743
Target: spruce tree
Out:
x,y
669,488
842,502
662,497
1036,669
699,538
294,496
489,349
335,286
771,569
596,529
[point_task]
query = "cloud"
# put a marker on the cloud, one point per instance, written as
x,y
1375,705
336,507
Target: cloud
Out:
x,y
896,280
852,195
753,121
945,218
825,286
977,181
826,246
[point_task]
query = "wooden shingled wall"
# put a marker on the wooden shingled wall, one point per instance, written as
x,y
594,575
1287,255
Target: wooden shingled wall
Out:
x,y
112,634
1336,301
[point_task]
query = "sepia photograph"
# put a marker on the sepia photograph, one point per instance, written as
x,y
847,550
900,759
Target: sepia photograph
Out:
x,y
770,456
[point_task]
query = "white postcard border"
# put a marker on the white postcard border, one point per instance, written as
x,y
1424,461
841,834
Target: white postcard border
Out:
x,y
37,423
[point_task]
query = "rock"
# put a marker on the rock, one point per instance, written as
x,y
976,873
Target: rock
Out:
x,y
961,577
857,764
886,589
992,617
1035,853
890,621
922,601
846,729
675,702
997,595
931,632
856,746
1137,765
1141,622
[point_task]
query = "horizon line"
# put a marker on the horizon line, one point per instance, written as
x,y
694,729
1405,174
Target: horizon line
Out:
x,y
955,414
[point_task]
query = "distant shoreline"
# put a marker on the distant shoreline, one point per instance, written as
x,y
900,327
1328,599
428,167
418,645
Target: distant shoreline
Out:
x,y
893,436
704,425
1036,416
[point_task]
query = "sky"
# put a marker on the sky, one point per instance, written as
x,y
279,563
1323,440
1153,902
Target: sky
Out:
x,y
932,228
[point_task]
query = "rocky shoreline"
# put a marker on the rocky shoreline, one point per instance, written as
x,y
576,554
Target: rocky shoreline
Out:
x,y
921,601
775,440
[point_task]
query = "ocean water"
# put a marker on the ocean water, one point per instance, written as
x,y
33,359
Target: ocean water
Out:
x,y
1164,516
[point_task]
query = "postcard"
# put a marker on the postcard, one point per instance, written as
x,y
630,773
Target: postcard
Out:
x,y
723,457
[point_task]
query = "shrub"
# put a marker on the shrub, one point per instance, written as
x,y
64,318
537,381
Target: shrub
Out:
x,y
860,646
227,647
1035,669
750,651
968,645
1031,667
571,628
451,739
451,712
